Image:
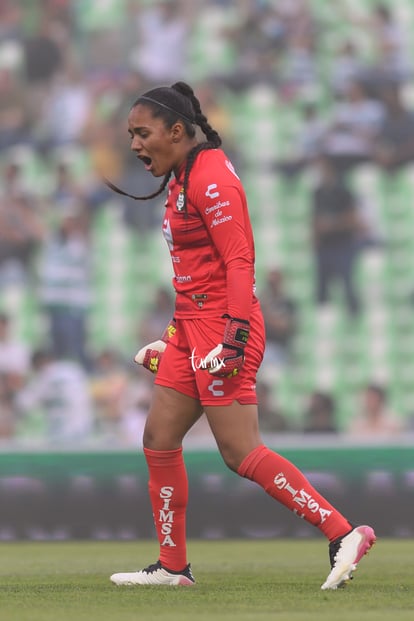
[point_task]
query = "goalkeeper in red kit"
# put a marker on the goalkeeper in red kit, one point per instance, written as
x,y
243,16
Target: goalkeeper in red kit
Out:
x,y
208,358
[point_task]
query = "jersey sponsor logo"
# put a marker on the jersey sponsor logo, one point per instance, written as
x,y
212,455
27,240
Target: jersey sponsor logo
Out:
x,y
186,278
216,206
220,220
166,516
210,193
301,498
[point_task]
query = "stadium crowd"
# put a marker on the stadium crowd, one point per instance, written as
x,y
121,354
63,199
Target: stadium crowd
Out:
x,y
69,69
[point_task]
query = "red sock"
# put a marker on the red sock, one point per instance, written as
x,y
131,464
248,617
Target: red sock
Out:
x,y
168,489
284,482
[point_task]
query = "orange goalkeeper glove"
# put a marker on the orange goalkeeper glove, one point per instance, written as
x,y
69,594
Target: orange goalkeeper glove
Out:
x,y
227,358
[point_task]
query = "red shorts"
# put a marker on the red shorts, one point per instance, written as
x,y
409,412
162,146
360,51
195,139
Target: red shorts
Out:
x,y
193,340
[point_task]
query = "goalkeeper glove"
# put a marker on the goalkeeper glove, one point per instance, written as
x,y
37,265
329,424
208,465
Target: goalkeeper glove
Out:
x,y
227,358
150,355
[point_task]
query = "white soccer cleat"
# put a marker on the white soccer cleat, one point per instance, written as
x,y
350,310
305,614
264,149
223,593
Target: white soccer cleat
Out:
x,y
155,575
345,554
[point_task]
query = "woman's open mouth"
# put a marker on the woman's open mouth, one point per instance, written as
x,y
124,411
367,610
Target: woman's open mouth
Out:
x,y
147,161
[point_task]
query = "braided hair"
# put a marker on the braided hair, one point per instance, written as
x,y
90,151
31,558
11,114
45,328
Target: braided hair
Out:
x,y
172,103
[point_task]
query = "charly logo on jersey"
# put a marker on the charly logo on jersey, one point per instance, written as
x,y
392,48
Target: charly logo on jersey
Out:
x,y
213,388
210,191
180,200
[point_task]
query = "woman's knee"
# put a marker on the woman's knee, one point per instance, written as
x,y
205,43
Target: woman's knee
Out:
x,y
170,417
150,438
158,437
232,456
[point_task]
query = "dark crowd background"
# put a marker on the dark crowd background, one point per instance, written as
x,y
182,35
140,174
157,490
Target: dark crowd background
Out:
x,y
315,104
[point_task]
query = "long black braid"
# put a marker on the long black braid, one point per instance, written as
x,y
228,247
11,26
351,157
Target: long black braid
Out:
x,y
213,139
177,102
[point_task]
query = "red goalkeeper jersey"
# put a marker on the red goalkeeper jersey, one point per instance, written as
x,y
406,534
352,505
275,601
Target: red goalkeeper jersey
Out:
x,y
211,245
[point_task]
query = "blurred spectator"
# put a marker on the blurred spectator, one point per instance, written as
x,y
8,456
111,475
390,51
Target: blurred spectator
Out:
x,y
134,413
103,139
61,11
104,160
311,133
109,381
104,39
157,317
145,216
258,41
7,415
355,125
121,395
374,417
59,390
47,48
14,369
21,227
395,144
392,55
319,413
13,113
389,60
14,356
65,290
220,118
336,228
279,312
309,141
43,54
344,148
14,185
300,22
65,190
162,29
358,111
66,109
300,71
345,67
271,418
10,20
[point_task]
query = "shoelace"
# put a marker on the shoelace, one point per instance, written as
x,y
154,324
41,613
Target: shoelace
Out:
x,y
151,568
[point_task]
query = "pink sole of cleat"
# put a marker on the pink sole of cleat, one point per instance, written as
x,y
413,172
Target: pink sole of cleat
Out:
x,y
368,539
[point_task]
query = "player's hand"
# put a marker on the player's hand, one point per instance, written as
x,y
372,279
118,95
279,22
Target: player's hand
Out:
x,y
150,355
227,358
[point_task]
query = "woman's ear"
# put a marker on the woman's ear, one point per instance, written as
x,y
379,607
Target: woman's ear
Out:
x,y
177,132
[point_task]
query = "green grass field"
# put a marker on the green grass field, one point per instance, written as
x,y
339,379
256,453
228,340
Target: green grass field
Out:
x,y
236,580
